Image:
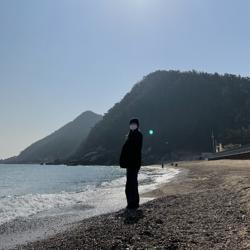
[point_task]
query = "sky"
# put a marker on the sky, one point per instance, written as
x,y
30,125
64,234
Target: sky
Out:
x,y
59,58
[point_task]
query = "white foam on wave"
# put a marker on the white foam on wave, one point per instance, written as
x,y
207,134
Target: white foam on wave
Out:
x,y
12,207
122,180
107,197
157,177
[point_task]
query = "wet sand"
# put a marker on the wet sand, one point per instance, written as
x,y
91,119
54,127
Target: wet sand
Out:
x,y
206,207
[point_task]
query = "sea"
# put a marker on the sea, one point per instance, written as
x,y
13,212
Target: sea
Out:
x,y
35,198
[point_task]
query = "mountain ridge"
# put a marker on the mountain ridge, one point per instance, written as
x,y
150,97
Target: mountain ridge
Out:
x,y
59,144
183,109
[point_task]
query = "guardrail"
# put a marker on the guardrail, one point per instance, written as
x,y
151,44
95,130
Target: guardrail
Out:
x,y
232,152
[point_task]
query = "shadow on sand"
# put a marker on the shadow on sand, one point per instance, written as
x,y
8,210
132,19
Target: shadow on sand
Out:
x,y
131,216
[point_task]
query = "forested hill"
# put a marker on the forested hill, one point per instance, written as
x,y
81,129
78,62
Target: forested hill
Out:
x,y
61,143
182,109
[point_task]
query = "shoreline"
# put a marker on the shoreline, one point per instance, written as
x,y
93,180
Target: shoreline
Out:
x,y
45,224
208,207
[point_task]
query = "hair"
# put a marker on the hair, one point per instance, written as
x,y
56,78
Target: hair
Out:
x,y
134,120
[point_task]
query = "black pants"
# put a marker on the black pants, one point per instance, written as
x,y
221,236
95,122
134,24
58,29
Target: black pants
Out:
x,y
131,189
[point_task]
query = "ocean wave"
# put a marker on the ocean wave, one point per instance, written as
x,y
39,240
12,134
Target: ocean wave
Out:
x,y
108,193
13,207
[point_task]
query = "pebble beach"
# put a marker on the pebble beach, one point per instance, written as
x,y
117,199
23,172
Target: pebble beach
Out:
x,y
207,206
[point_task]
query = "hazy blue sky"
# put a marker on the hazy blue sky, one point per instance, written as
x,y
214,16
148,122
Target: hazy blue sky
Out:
x,y
59,58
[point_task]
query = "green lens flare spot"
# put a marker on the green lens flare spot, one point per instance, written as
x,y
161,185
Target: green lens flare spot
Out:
x,y
151,131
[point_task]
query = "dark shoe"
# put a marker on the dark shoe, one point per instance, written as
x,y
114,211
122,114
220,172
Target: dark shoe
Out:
x,y
132,207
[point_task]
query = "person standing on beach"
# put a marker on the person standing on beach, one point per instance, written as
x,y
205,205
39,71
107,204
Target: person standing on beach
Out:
x,y
130,158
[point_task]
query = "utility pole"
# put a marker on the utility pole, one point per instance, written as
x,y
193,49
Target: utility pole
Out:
x,y
213,142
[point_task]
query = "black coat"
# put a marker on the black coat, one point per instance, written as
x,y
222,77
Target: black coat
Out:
x,y
131,151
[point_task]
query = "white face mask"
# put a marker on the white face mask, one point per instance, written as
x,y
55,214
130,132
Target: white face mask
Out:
x,y
133,126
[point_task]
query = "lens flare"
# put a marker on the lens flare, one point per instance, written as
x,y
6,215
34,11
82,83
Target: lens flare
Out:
x,y
151,131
